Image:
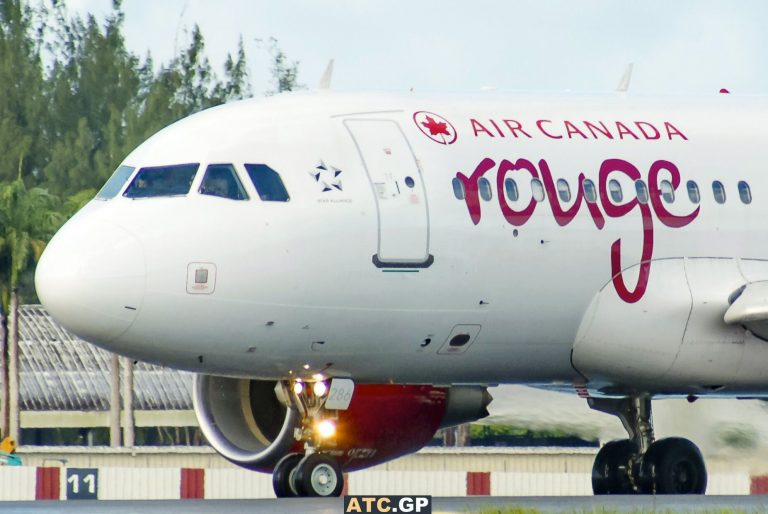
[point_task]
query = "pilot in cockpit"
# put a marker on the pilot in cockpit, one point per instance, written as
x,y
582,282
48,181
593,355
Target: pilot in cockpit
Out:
x,y
215,184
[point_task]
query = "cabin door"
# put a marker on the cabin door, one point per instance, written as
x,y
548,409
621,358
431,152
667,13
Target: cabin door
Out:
x,y
398,187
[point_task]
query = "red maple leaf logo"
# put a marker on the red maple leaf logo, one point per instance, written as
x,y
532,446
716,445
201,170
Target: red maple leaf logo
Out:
x,y
436,127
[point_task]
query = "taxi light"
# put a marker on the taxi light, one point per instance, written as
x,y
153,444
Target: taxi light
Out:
x,y
326,428
298,388
320,388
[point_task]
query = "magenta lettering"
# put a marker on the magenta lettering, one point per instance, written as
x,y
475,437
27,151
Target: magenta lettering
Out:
x,y
573,129
514,127
600,128
648,130
513,217
540,124
478,128
497,128
673,131
563,216
624,130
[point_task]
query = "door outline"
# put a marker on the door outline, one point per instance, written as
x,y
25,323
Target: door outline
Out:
x,y
400,263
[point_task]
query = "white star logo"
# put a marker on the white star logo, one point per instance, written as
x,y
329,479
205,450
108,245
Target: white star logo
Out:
x,y
329,177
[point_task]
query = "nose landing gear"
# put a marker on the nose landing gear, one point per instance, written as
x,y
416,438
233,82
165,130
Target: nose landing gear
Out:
x,y
315,472
641,465
318,475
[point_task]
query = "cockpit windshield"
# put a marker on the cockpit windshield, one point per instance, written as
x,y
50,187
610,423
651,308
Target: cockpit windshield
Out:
x,y
174,180
115,183
221,180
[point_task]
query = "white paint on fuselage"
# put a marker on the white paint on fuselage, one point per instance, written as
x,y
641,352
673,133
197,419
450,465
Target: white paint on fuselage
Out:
x,y
292,274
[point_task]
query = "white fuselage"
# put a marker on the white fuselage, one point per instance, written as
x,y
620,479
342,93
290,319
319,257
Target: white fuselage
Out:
x,y
361,274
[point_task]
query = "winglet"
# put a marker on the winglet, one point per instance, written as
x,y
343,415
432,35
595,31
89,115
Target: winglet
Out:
x,y
623,86
325,80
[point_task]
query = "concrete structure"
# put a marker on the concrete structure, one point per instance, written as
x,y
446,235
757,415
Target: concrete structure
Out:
x,y
66,383
187,473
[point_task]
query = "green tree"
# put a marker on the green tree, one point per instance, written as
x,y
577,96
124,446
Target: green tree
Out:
x,y
236,85
28,218
22,103
66,124
93,82
285,73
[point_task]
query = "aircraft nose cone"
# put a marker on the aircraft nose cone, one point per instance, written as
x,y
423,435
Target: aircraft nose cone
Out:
x,y
91,279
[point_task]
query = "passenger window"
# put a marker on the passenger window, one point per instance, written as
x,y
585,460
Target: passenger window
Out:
x,y
719,191
510,186
538,190
667,191
485,189
458,188
267,182
745,193
590,193
115,183
563,190
615,188
693,192
162,181
642,191
221,180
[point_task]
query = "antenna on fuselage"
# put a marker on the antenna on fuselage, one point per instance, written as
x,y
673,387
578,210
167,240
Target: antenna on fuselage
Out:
x,y
325,80
623,86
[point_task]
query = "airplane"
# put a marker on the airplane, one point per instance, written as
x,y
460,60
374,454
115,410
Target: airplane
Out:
x,y
348,273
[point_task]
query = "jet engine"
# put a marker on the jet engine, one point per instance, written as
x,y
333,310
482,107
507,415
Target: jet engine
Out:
x,y
250,422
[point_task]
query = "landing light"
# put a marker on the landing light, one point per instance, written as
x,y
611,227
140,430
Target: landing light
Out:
x,y
326,428
298,388
320,388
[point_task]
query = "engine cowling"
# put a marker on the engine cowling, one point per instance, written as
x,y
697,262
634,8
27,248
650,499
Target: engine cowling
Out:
x,y
248,424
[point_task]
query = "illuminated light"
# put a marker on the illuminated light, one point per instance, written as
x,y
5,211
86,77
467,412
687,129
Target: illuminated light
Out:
x,y
318,376
326,428
306,366
320,388
298,388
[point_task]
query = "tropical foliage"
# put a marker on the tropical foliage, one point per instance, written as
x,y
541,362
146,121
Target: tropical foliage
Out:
x,y
74,101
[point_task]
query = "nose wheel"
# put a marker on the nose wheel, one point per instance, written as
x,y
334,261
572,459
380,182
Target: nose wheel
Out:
x,y
318,475
282,476
640,465
315,474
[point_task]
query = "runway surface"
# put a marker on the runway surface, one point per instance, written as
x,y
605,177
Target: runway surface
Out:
x,y
463,505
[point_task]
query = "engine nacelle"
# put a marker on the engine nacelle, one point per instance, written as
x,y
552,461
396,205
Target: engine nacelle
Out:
x,y
674,339
248,424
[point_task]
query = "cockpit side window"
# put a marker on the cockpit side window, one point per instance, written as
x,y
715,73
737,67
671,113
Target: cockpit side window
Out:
x,y
221,180
267,182
115,183
154,181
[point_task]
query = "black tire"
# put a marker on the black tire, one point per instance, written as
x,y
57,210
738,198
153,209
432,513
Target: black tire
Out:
x,y
281,475
612,468
318,475
673,466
